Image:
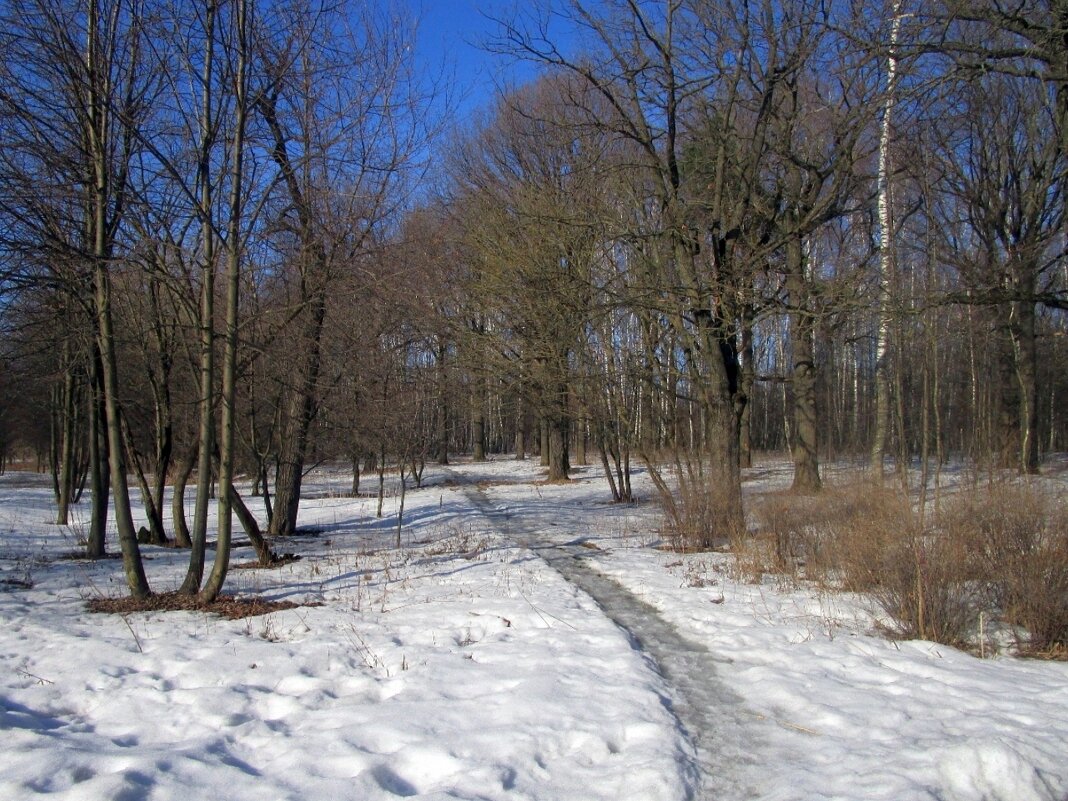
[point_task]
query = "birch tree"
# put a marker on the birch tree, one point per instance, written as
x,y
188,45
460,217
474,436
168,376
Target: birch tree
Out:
x,y
886,258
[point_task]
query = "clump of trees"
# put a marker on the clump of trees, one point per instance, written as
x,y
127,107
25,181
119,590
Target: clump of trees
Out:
x,y
706,229
832,230
184,187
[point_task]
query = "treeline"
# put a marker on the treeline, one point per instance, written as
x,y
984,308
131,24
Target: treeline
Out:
x,y
714,228
706,229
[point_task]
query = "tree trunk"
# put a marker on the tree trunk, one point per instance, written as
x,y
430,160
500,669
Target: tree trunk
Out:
x,y
64,475
299,412
543,450
478,422
131,553
725,476
289,473
559,464
748,368
381,481
206,399
441,423
721,416
580,442
1022,327
228,420
181,479
265,488
100,151
603,450
164,453
559,424
159,377
1005,402
648,425
806,432
54,426
299,407
155,535
264,555
206,432
400,506
81,462
882,333
100,484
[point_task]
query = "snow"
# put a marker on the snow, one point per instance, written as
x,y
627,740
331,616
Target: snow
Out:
x,y
469,664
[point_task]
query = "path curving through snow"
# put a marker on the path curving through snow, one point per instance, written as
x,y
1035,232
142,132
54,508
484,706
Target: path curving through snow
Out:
x,y
713,719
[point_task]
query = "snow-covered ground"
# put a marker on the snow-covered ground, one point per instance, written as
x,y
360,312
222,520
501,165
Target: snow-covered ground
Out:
x,y
464,666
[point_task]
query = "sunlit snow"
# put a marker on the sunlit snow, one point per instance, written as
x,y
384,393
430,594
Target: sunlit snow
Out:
x,y
473,663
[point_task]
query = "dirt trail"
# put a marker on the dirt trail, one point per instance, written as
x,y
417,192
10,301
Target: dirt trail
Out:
x,y
711,718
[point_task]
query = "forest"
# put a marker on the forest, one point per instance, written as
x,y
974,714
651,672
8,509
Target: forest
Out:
x,y
243,239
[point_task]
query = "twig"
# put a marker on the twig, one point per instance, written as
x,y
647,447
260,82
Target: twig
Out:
x,y
39,679
786,724
137,640
550,614
796,727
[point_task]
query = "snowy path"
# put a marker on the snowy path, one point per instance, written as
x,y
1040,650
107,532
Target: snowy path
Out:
x,y
459,666
709,715
522,645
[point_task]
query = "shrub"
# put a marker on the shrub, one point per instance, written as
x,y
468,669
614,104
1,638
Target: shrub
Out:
x,y
867,539
795,527
1018,543
924,588
697,510
1001,550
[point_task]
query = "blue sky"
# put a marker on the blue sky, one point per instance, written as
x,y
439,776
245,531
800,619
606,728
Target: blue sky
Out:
x,y
451,31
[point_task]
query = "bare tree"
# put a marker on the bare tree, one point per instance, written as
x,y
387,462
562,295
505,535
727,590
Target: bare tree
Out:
x,y
1004,168
886,248
79,79
1022,39
234,253
531,219
342,110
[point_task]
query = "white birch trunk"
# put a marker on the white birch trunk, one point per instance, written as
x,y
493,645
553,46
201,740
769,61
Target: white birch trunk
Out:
x,y
882,336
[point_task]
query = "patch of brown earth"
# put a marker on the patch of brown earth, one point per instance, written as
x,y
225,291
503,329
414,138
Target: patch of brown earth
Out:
x,y
277,561
227,606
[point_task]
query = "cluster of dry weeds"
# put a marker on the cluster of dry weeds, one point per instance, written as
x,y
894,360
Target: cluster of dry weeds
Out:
x,y
987,555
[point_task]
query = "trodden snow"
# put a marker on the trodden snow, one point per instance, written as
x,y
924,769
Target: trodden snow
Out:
x,y
527,641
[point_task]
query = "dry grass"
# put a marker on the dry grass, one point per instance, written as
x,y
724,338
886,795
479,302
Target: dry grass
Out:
x,y
1001,551
700,513
1017,547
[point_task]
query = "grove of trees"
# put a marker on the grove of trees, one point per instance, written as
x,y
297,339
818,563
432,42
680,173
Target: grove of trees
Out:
x,y
239,238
